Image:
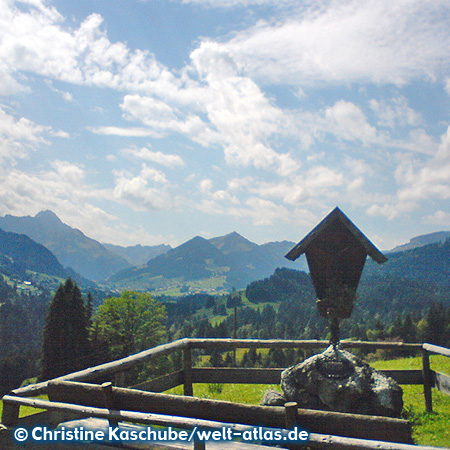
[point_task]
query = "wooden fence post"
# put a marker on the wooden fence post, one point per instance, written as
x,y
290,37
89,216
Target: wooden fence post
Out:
x,y
291,414
109,401
187,372
199,445
10,414
427,381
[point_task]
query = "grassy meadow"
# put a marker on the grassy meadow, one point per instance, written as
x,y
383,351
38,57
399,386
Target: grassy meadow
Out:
x,y
428,428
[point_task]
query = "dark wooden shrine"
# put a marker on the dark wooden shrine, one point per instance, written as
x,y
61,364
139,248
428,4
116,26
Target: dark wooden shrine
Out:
x,y
336,251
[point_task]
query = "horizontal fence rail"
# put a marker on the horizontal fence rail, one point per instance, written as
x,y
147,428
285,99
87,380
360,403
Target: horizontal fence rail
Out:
x,y
107,368
343,424
436,349
189,374
199,343
317,440
221,343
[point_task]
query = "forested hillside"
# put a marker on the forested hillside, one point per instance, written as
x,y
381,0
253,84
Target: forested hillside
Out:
x,y
19,254
429,263
284,306
22,317
407,298
72,247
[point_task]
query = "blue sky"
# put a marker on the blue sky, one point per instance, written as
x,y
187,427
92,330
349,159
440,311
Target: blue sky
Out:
x,y
154,121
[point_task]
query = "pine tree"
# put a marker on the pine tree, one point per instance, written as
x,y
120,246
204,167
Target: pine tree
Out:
x,y
89,309
66,333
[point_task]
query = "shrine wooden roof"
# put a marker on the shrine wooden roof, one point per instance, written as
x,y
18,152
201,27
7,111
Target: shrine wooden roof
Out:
x,y
321,228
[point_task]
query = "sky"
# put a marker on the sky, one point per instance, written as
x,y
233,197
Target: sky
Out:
x,y
153,121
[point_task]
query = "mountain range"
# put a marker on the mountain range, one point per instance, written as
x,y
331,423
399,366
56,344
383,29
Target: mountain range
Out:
x,y
136,255
73,248
226,261
422,240
214,265
232,261
20,254
26,261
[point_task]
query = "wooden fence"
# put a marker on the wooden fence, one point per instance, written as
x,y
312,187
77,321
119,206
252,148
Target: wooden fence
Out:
x,y
189,375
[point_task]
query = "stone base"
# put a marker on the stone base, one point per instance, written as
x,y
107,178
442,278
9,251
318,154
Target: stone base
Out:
x,y
337,380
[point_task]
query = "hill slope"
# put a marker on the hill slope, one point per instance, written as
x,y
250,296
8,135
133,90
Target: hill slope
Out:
x,y
193,260
72,248
230,261
138,255
429,263
18,253
422,240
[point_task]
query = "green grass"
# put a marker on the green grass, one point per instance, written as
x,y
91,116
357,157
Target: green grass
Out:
x,y
26,410
428,428
250,394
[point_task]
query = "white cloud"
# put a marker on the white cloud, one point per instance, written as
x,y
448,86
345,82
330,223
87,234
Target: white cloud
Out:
x,y
125,132
431,180
350,123
300,190
162,118
69,172
259,211
148,190
206,185
236,3
418,180
395,112
62,189
67,96
245,120
240,118
266,212
391,210
440,218
348,41
36,41
151,109
218,102
216,199
164,159
18,137
346,121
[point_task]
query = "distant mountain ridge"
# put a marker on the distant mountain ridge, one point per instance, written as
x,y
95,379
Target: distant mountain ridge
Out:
x,y
19,253
420,241
24,260
193,260
232,243
231,258
138,255
72,247
225,261
428,262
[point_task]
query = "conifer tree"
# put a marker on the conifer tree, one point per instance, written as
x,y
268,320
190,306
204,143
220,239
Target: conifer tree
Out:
x,y
66,333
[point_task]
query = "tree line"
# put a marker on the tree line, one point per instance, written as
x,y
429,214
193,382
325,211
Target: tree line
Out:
x,y
75,338
75,334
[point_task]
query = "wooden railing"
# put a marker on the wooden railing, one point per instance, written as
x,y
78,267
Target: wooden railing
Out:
x,y
189,375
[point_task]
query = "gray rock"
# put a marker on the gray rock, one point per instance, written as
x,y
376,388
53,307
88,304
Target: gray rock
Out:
x,y
337,380
273,398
